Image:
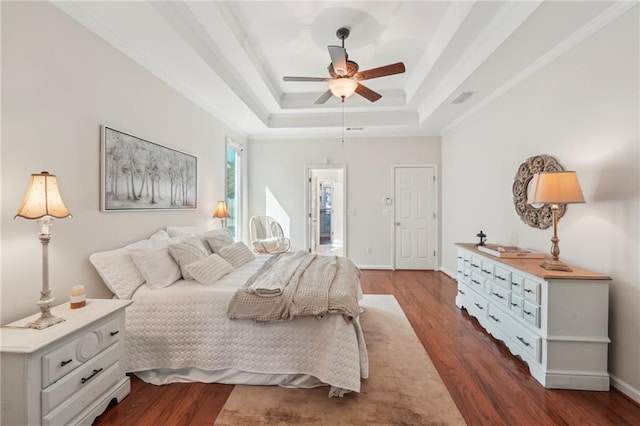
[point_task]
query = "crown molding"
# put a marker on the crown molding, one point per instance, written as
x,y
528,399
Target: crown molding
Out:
x,y
602,20
510,16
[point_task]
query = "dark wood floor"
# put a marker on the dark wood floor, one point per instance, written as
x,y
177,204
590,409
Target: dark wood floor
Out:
x,y
487,383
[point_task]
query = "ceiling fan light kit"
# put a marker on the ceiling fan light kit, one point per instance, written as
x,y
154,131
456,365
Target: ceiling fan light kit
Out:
x,y
343,87
345,76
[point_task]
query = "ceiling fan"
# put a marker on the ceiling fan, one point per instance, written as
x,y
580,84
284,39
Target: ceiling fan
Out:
x,y
345,77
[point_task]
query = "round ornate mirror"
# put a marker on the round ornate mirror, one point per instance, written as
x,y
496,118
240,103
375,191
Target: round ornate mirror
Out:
x,y
536,216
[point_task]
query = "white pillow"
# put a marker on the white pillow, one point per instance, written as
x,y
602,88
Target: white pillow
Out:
x,y
218,238
190,231
209,270
160,235
186,252
156,266
237,254
117,270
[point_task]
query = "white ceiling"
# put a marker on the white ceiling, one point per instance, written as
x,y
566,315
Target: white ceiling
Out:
x,y
229,57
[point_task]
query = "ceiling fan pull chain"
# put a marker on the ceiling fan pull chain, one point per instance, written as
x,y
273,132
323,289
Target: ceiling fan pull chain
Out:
x,y
343,122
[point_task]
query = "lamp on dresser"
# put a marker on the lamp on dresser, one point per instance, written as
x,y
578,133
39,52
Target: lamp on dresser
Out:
x,y
221,213
42,203
561,187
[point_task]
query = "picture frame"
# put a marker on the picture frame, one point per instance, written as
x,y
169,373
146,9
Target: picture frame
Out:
x,y
139,175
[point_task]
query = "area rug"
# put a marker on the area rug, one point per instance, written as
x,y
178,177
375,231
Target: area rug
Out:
x,y
403,387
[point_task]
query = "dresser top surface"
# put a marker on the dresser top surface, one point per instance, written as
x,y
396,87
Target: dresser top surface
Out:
x,y
532,266
15,338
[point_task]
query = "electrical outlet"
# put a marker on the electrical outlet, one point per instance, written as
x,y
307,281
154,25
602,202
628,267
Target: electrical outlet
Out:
x,y
369,250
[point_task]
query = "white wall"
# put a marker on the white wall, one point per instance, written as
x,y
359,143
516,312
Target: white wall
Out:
x,y
60,82
582,109
278,167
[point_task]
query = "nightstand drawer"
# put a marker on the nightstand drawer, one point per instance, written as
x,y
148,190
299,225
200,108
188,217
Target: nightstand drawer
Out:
x,y
81,379
80,401
63,360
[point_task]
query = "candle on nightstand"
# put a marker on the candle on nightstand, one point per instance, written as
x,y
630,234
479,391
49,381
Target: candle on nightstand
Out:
x,y
78,297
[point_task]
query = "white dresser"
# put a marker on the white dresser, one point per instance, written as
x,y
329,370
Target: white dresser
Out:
x,y
557,322
68,373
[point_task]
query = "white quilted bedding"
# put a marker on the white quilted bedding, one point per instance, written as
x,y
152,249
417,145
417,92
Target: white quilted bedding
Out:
x,y
184,327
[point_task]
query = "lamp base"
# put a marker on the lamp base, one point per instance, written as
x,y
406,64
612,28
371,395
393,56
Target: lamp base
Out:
x,y
43,322
46,319
555,265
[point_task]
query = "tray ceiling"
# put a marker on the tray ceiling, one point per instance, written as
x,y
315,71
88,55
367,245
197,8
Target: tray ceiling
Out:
x,y
230,57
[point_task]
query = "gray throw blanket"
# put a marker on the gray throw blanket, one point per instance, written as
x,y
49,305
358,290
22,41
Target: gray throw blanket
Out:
x,y
291,285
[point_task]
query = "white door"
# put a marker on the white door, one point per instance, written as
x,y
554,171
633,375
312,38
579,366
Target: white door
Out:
x,y
415,217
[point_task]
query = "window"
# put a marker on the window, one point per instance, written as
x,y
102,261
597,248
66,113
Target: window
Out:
x,y
234,188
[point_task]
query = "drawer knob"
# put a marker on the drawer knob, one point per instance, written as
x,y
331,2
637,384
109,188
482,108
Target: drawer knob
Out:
x,y
461,292
494,318
528,290
479,306
85,380
514,284
514,304
498,295
113,333
63,363
528,312
500,278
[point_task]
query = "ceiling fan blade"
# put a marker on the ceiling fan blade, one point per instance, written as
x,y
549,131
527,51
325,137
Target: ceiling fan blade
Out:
x,y
305,79
367,93
324,98
397,68
338,59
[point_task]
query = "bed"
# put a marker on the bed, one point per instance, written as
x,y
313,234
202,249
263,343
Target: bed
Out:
x,y
181,332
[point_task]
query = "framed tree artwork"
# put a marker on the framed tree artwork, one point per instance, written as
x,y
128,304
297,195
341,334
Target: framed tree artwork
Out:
x,y
140,175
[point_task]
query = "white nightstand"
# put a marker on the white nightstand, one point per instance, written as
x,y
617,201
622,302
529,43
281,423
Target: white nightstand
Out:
x,y
67,373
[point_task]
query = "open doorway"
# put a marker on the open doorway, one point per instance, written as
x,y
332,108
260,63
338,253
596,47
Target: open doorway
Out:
x,y
326,210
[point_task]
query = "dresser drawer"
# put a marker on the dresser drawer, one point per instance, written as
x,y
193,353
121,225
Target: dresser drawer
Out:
x,y
517,284
515,304
477,281
487,269
526,342
529,342
502,277
477,306
531,291
80,379
500,295
465,276
476,263
63,360
531,312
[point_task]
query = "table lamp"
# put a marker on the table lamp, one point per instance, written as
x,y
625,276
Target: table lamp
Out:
x,y
221,213
555,188
42,203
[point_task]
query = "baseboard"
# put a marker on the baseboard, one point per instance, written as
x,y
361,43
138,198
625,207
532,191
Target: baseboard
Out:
x,y
383,267
625,388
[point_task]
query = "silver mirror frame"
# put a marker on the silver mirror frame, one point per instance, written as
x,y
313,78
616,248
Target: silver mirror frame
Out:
x,y
534,216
